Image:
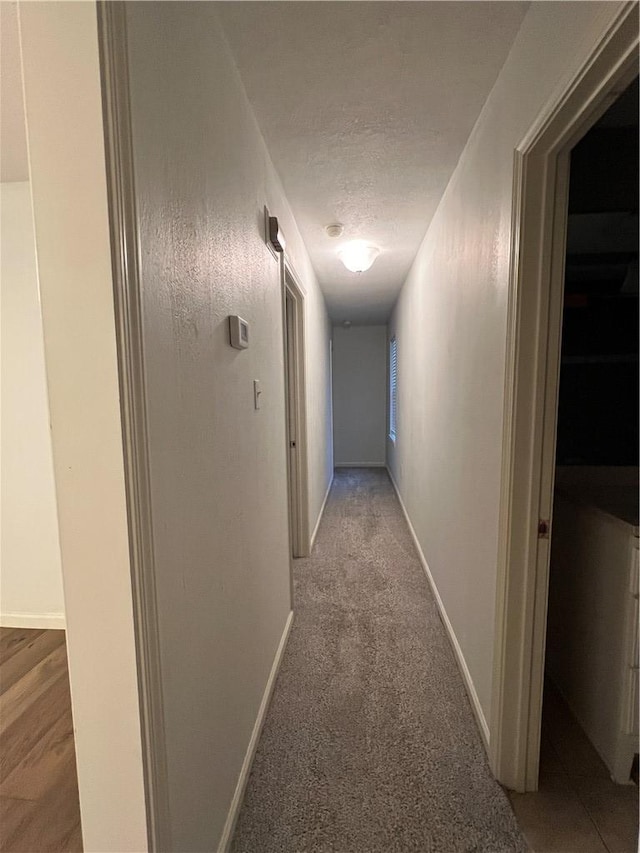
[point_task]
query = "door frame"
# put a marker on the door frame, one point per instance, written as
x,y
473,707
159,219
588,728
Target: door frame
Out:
x,y
297,478
123,223
534,322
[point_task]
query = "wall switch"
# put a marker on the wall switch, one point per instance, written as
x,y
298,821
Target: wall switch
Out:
x,y
257,391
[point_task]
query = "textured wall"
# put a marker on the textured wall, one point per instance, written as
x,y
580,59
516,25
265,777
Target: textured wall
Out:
x,y
31,575
450,324
218,466
359,394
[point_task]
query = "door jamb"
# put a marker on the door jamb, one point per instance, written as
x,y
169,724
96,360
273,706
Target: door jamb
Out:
x,y
123,224
540,195
291,283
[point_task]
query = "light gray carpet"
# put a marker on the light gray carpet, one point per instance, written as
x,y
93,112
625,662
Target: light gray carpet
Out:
x,y
370,743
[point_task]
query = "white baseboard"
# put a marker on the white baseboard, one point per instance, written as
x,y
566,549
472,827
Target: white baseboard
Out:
x,y
33,620
462,664
236,802
360,465
312,541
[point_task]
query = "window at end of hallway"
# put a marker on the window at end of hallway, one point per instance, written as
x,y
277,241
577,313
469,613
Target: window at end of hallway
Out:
x,y
393,387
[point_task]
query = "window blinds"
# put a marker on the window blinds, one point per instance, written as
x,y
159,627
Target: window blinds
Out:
x,y
393,387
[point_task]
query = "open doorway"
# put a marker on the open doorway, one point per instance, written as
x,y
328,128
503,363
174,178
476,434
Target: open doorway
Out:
x,y
591,651
39,798
295,414
539,228
589,732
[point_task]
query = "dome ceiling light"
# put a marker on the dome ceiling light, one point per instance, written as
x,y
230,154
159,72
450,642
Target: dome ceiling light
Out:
x,y
358,255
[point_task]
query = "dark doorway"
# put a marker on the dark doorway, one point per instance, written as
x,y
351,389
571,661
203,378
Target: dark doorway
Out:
x,y
590,713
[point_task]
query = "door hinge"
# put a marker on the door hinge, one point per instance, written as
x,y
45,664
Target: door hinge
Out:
x,y
543,528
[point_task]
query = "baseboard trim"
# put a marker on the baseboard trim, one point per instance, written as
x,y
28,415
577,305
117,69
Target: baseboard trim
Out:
x,y
360,465
312,541
462,664
33,620
236,802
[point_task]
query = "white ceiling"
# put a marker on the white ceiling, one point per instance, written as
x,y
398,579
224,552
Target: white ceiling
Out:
x,y
13,142
365,108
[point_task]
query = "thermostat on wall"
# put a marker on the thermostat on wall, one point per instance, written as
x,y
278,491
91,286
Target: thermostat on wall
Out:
x,y
238,332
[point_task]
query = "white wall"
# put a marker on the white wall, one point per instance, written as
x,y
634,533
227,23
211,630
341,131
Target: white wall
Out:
x,y
30,571
67,166
450,324
360,395
320,449
218,466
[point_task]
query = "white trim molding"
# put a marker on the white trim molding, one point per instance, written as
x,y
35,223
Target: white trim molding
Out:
x,y
534,322
128,315
455,645
300,538
33,620
236,801
361,465
312,541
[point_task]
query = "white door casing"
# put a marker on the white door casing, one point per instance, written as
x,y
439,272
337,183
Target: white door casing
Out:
x,y
539,217
295,390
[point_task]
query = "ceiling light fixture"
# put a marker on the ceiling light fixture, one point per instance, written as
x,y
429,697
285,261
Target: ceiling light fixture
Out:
x,y
358,255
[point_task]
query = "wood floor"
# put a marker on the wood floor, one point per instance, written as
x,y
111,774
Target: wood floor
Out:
x,y
39,808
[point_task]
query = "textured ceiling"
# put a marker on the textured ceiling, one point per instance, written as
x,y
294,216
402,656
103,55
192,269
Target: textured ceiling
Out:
x,y
13,142
365,108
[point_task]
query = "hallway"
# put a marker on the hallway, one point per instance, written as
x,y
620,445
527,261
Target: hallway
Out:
x,y
284,239
370,743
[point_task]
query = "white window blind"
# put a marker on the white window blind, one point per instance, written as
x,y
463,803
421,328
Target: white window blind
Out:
x,y
393,387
